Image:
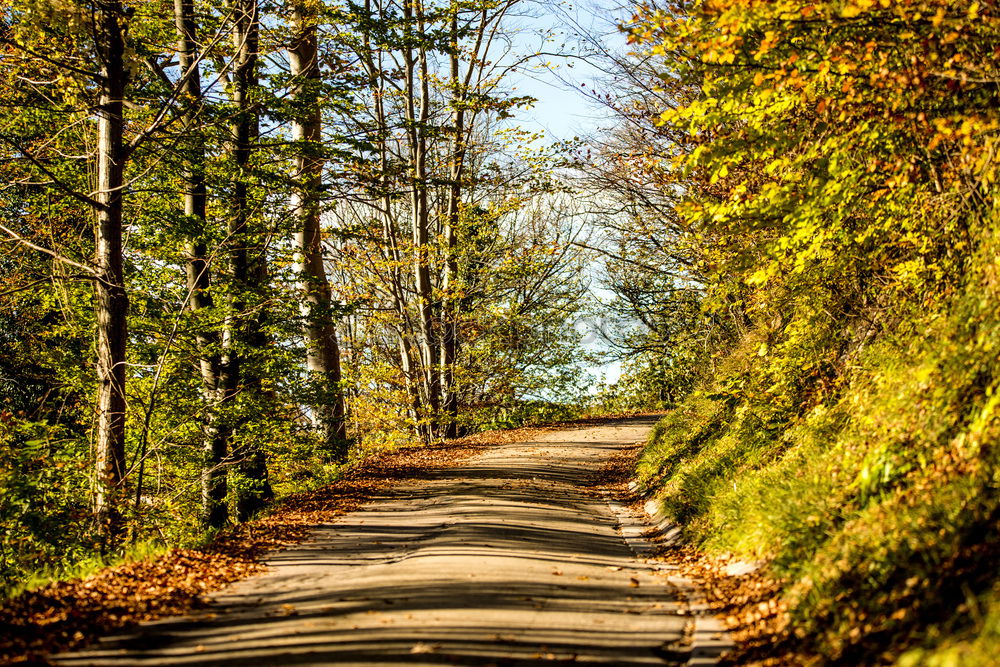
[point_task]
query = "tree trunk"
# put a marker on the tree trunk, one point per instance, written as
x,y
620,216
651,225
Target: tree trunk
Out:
x,y
417,123
371,59
319,329
112,300
449,311
216,439
248,263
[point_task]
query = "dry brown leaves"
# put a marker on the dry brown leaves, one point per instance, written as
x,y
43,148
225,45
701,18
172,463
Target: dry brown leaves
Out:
x,y
71,614
616,473
750,605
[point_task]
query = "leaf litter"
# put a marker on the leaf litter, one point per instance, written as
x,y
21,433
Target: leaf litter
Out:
x,y
68,615
745,598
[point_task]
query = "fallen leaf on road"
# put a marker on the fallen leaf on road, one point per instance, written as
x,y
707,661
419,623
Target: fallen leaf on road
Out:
x,y
421,647
69,614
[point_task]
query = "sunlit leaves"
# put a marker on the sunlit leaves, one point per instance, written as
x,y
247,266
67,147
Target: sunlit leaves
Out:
x,y
822,117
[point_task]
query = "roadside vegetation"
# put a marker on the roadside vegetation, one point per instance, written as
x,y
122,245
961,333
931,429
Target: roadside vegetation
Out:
x,y
248,242
825,175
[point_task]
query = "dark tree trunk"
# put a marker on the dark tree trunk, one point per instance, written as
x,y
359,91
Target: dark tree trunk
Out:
x,y
216,444
112,300
247,337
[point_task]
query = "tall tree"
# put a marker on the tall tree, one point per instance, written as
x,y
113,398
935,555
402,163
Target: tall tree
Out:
x,y
319,328
247,337
449,316
417,102
199,277
374,23
112,302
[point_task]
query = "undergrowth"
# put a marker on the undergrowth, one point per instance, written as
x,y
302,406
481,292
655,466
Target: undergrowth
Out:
x,y
877,504
82,567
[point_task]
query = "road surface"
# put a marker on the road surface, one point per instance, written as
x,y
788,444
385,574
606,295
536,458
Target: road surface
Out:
x,y
509,558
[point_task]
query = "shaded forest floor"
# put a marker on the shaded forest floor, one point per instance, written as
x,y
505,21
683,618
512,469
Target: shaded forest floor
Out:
x,y
70,614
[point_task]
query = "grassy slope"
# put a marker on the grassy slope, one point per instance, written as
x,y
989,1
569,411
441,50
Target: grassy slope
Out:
x,y
879,507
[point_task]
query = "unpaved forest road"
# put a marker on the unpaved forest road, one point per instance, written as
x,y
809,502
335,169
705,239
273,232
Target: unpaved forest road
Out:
x,y
505,559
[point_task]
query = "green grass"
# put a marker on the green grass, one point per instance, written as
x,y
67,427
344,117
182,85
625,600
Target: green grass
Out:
x,y
85,567
974,645
879,507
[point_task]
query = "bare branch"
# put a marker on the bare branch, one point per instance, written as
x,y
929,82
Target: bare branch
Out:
x,y
51,253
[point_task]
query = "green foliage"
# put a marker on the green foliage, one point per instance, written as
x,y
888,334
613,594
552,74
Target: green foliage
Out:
x,y
837,163
218,385
522,413
44,491
652,381
974,644
875,508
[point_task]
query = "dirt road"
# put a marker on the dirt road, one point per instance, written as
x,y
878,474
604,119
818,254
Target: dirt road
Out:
x,y
504,560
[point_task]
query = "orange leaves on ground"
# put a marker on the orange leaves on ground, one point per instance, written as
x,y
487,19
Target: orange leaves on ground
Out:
x,y
67,615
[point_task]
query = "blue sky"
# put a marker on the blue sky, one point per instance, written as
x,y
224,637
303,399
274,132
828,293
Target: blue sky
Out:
x,y
562,110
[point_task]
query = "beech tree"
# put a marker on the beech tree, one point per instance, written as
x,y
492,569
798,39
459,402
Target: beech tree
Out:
x,y
110,31
199,271
100,29
319,327
311,228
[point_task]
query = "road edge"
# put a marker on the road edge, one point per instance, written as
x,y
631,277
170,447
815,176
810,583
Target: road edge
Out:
x,y
707,640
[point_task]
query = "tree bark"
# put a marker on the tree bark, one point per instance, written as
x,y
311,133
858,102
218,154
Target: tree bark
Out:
x,y
371,58
246,332
417,126
112,300
449,311
214,486
318,328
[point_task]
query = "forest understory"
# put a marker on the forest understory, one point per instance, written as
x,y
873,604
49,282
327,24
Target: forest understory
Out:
x,y
72,614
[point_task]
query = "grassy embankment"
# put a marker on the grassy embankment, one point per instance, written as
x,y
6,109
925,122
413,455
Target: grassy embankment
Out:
x,y
877,506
